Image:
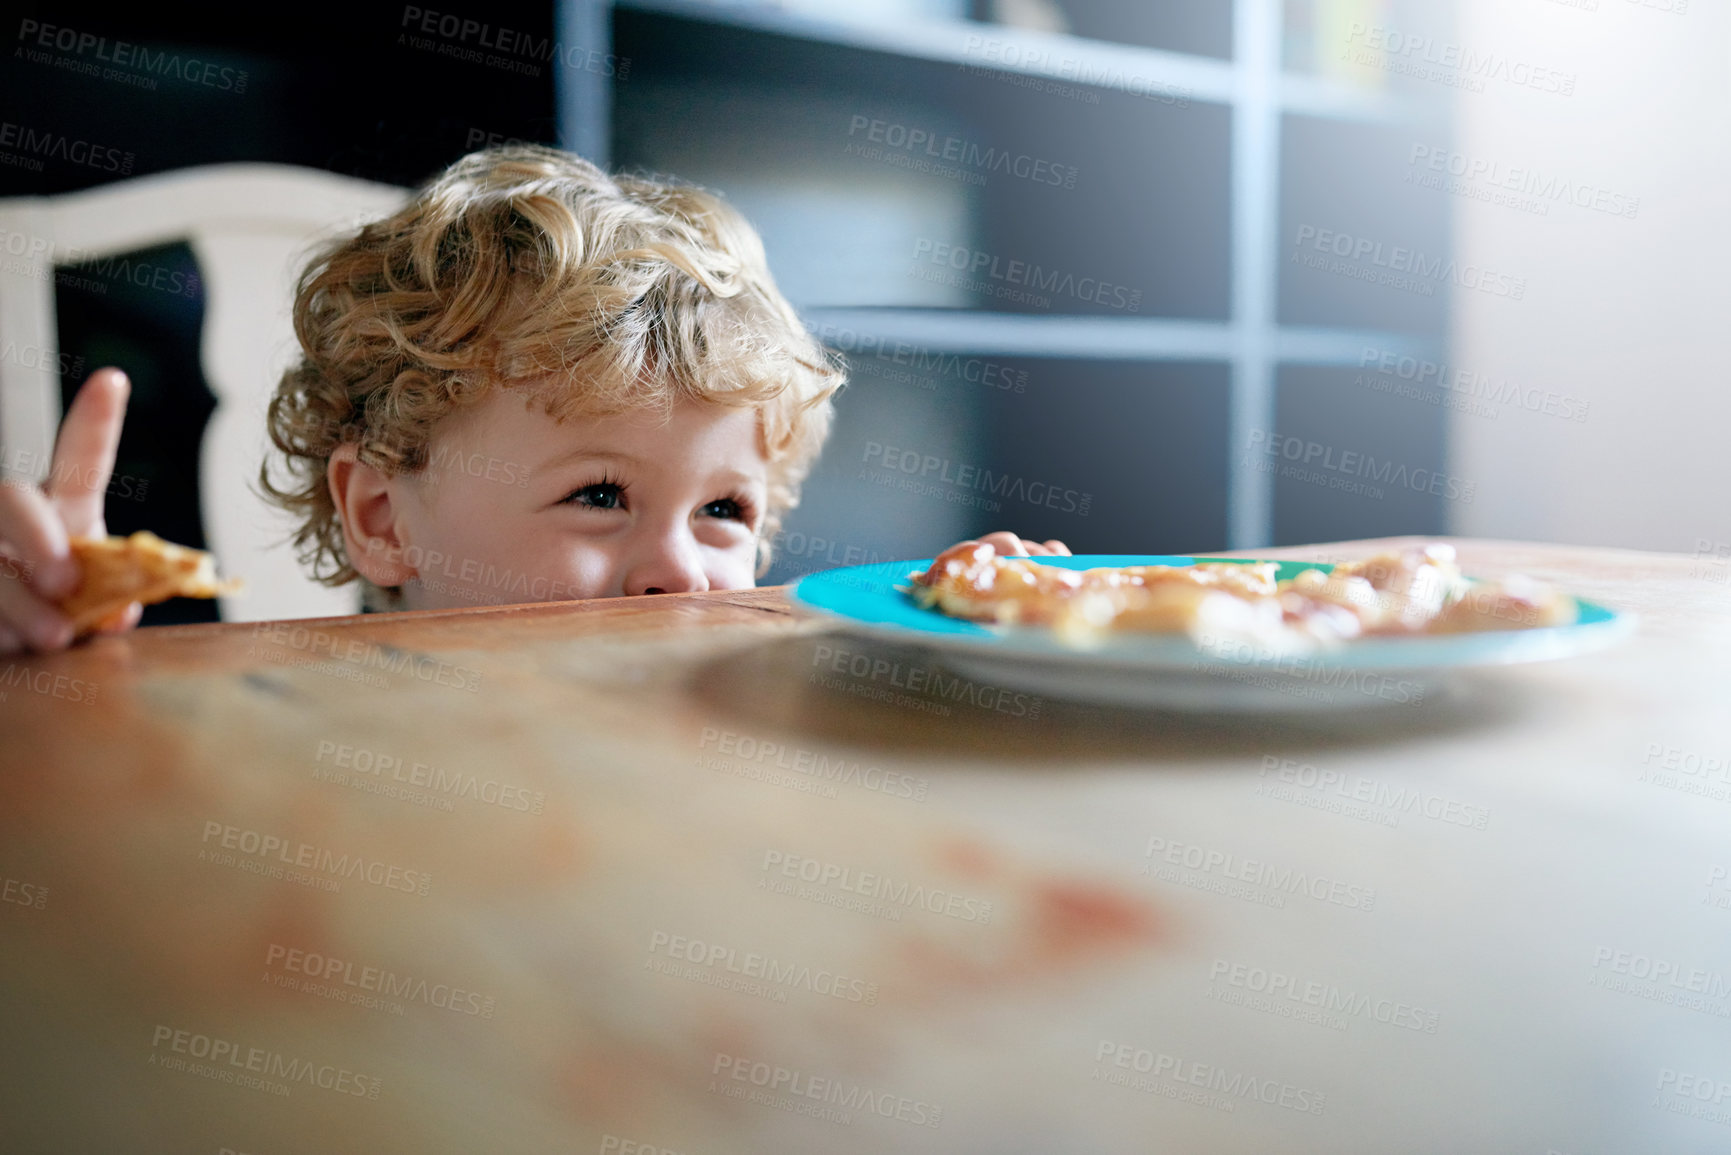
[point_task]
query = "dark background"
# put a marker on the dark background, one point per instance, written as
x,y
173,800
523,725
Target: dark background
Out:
x,y
328,87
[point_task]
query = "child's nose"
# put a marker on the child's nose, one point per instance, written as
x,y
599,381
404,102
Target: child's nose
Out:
x,y
667,567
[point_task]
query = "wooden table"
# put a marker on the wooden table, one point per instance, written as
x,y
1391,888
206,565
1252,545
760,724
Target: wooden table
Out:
x,y
695,874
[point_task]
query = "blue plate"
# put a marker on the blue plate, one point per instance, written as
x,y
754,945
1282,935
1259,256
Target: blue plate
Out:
x,y
1172,670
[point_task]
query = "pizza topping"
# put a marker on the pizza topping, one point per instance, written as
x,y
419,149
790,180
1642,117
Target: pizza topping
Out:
x,y
970,581
1410,591
1394,592
1514,603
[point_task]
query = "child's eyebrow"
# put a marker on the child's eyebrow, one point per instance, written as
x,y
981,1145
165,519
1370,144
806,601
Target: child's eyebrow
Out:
x,y
734,476
589,455
719,477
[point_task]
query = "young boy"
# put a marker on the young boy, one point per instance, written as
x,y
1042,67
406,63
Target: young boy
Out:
x,y
536,382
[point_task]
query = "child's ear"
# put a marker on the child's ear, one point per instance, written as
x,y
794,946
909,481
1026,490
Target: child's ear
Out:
x,y
372,536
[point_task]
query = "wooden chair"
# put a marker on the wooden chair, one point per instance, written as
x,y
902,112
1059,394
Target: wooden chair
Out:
x,y
250,227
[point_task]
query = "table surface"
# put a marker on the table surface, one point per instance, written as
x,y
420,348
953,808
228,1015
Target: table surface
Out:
x,y
686,873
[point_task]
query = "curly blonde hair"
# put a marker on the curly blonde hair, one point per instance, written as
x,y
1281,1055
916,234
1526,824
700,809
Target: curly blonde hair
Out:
x,y
526,267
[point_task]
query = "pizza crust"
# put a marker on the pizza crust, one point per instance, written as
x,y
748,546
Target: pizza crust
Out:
x,y
117,571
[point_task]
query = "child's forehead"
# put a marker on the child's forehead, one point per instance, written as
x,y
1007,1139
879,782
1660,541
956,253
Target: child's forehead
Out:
x,y
680,412
533,423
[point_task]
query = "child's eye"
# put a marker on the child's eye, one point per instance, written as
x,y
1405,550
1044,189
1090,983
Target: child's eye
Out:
x,y
601,495
728,507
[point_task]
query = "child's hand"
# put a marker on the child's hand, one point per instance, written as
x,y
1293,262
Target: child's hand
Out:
x,y
1008,544
36,564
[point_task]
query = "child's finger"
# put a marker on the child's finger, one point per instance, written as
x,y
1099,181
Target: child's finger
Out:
x,y
84,452
121,620
36,622
1058,547
1006,544
31,523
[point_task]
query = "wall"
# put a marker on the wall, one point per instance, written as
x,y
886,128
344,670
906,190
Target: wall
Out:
x,y
1627,313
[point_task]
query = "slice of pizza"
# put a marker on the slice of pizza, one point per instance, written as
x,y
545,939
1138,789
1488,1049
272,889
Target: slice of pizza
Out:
x,y
1232,606
1512,603
970,581
1243,580
1084,607
1206,611
117,571
1391,593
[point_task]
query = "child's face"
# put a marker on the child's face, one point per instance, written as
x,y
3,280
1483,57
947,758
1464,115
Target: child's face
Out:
x,y
515,507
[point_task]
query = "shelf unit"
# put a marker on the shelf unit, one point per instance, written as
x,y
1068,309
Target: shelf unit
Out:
x,y
1242,316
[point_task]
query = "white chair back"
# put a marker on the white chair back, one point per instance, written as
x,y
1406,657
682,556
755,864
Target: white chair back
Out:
x,y
250,227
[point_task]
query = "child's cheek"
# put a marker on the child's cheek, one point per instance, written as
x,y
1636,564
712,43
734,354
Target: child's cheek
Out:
x,y
737,573
588,572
